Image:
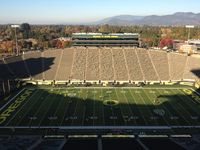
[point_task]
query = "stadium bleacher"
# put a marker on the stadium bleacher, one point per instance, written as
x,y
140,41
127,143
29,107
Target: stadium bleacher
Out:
x,y
50,73
160,61
106,64
92,64
133,65
160,143
79,64
192,69
32,60
177,63
119,64
65,65
146,65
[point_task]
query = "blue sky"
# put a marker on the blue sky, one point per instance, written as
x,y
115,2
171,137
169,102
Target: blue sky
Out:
x,y
74,11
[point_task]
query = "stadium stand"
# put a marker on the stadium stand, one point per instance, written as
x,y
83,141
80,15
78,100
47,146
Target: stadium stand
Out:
x,y
106,65
160,61
65,64
187,142
121,143
119,64
5,73
134,68
83,143
92,69
192,70
17,142
160,143
177,64
79,64
32,60
50,73
17,65
50,144
146,65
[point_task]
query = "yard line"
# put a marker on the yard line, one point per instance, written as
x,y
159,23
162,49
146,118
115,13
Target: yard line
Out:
x,y
146,107
166,107
182,116
191,101
102,108
138,108
128,108
112,112
181,104
51,102
20,108
58,108
38,110
155,107
85,96
67,106
27,112
75,109
107,108
94,106
193,110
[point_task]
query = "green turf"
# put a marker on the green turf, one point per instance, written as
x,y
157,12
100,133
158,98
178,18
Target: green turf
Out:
x,y
87,107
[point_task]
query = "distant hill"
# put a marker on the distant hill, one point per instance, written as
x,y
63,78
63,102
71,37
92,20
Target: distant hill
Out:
x,y
176,19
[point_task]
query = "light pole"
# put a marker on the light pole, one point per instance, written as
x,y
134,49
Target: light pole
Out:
x,y
189,27
16,44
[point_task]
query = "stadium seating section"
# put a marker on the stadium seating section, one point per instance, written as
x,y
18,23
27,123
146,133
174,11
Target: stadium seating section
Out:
x,y
94,143
106,64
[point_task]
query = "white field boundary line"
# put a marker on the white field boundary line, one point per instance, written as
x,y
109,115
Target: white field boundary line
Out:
x,y
15,114
103,127
195,91
11,99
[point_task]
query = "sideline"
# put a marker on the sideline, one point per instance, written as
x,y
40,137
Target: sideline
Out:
x,y
11,99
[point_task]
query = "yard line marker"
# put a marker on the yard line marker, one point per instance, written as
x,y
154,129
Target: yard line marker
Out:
x,y
144,119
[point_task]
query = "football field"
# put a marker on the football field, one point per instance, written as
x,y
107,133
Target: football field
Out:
x,y
102,107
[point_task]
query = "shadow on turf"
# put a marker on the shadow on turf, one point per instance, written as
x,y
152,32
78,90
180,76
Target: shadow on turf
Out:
x,y
74,107
17,68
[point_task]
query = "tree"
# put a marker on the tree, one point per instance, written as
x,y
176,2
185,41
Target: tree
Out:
x,y
166,42
25,29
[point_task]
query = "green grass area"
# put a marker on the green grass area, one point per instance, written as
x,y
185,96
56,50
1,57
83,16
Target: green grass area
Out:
x,y
67,107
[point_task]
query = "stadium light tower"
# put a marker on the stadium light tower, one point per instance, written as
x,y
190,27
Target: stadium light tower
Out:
x,y
16,44
189,28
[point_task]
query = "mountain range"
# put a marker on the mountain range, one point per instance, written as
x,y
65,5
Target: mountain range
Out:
x,y
176,19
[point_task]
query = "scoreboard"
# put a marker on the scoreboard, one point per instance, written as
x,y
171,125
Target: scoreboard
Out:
x,y
109,39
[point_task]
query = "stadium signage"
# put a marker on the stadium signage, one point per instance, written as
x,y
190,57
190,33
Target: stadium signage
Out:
x,y
105,36
4,115
192,94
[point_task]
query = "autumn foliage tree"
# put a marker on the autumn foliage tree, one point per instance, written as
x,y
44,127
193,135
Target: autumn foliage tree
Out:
x,y
166,42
